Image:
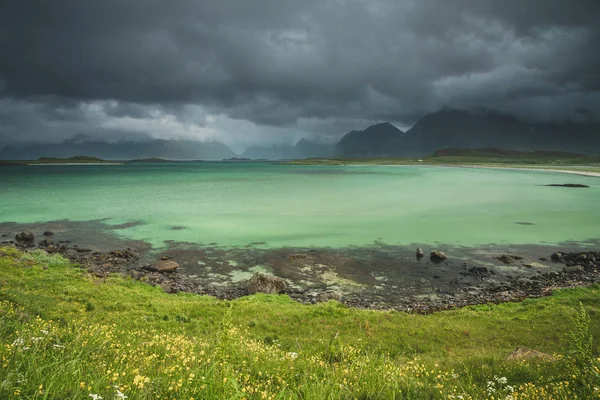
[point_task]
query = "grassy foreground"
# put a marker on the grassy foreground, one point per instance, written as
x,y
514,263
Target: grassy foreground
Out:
x,y
67,335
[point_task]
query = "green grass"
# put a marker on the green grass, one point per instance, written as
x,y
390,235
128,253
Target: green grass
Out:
x,y
477,157
111,332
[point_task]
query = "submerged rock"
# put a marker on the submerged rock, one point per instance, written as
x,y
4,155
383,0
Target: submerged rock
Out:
x,y
420,252
48,233
570,185
265,284
437,255
508,258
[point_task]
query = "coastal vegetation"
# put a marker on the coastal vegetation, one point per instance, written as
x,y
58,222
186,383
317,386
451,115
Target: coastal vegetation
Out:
x,y
477,157
66,334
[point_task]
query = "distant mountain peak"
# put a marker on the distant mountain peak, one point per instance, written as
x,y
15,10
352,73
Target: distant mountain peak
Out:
x,y
375,140
469,129
383,126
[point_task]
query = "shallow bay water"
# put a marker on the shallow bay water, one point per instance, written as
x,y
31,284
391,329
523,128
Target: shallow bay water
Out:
x,y
272,206
355,226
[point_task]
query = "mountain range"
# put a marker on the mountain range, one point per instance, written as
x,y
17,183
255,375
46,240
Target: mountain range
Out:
x,y
303,149
447,128
122,150
450,128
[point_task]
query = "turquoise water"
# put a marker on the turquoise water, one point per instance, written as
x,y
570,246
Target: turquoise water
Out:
x,y
237,204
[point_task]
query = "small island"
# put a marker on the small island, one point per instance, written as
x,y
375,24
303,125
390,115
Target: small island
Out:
x,y
236,159
148,160
77,160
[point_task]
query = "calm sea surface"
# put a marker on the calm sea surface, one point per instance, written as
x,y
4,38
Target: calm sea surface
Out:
x,y
272,206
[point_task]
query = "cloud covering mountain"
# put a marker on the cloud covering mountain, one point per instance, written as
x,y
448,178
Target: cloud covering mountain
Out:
x,y
275,71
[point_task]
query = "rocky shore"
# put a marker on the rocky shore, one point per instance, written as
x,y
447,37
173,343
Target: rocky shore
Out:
x,y
480,286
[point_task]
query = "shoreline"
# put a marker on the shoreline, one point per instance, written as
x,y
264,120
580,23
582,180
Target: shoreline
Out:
x,y
487,166
562,171
450,284
520,168
574,170
580,269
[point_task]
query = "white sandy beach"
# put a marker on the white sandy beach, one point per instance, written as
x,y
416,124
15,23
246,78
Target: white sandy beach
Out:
x,y
564,171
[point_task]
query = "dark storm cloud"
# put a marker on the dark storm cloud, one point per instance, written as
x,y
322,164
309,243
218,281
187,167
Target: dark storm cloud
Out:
x,y
311,66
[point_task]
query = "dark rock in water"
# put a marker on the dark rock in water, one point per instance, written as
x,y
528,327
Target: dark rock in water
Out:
x,y
420,252
25,239
508,258
265,284
166,266
83,250
4,235
437,255
570,185
573,269
48,233
164,258
525,223
481,272
556,257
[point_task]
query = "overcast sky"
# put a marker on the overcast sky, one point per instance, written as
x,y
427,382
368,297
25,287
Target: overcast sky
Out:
x,y
263,71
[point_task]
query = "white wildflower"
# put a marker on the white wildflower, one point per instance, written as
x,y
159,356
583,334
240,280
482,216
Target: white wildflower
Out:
x,y
45,332
293,355
58,346
95,396
120,395
502,380
510,388
26,348
18,342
